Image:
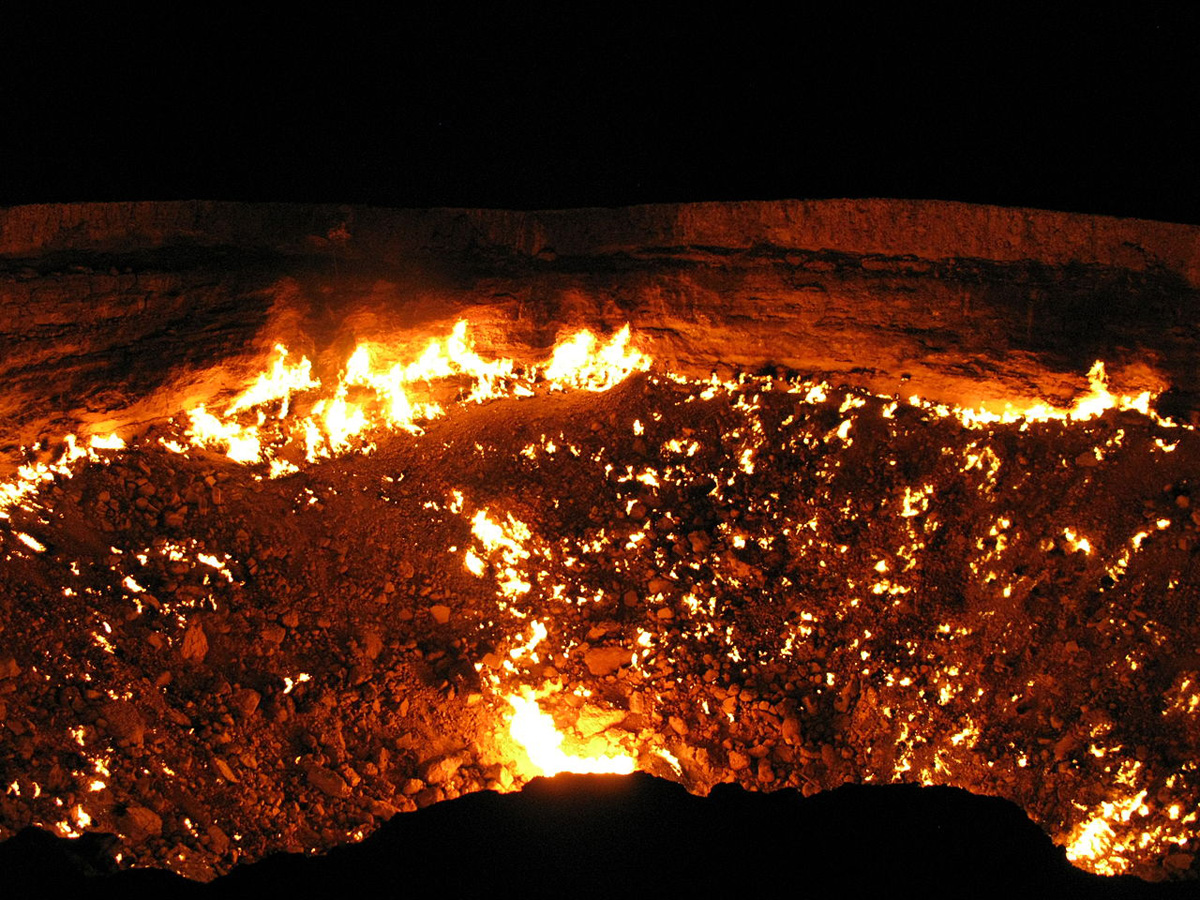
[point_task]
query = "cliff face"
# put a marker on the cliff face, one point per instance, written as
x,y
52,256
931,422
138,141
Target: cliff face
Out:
x,y
114,314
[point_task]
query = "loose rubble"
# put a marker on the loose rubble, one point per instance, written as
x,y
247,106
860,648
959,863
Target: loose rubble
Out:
x,y
766,581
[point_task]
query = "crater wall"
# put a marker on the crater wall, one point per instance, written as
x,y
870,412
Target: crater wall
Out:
x,y
114,314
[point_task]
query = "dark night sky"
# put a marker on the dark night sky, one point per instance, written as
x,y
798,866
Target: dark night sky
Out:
x,y
1092,115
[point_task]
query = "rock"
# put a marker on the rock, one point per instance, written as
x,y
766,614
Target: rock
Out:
x,y
593,721
372,644
606,660
195,642
790,730
766,775
440,613
738,761
1065,746
9,667
677,725
218,840
429,796
124,722
328,781
1087,460
1180,862
381,809
138,823
412,786
273,634
224,770
439,770
829,756
245,701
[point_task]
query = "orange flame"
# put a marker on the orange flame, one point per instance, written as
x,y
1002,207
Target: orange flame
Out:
x,y
336,421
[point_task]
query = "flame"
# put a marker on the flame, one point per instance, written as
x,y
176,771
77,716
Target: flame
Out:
x,y
278,384
241,443
32,476
1097,401
534,730
1096,842
577,363
368,395
508,543
106,442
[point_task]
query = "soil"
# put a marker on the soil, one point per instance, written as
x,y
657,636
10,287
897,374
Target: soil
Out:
x,y
758,581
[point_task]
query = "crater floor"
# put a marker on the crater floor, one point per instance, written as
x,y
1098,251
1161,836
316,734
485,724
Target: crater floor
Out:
x,y
770,581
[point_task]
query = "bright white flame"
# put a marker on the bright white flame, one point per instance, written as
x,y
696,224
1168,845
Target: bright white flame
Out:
x,y
535,731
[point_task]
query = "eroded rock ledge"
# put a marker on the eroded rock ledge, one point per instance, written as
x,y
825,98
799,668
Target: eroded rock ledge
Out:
x,y
115,314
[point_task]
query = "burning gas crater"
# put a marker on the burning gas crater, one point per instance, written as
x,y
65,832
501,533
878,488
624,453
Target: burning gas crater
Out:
x,y
604,567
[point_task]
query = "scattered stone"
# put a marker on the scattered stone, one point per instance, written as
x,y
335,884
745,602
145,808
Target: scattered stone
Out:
x,y
738,760
245,701
658,585
195,642
218,840
439,770
593,721
412,786
372,644
1180,862
327,781
381,809
139,824
606,660
124,723
790,730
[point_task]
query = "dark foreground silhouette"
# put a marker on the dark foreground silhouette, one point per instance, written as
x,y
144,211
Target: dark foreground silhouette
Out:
x,y
622,836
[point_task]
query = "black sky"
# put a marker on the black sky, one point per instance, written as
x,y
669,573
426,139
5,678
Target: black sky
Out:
x,y
1093,114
